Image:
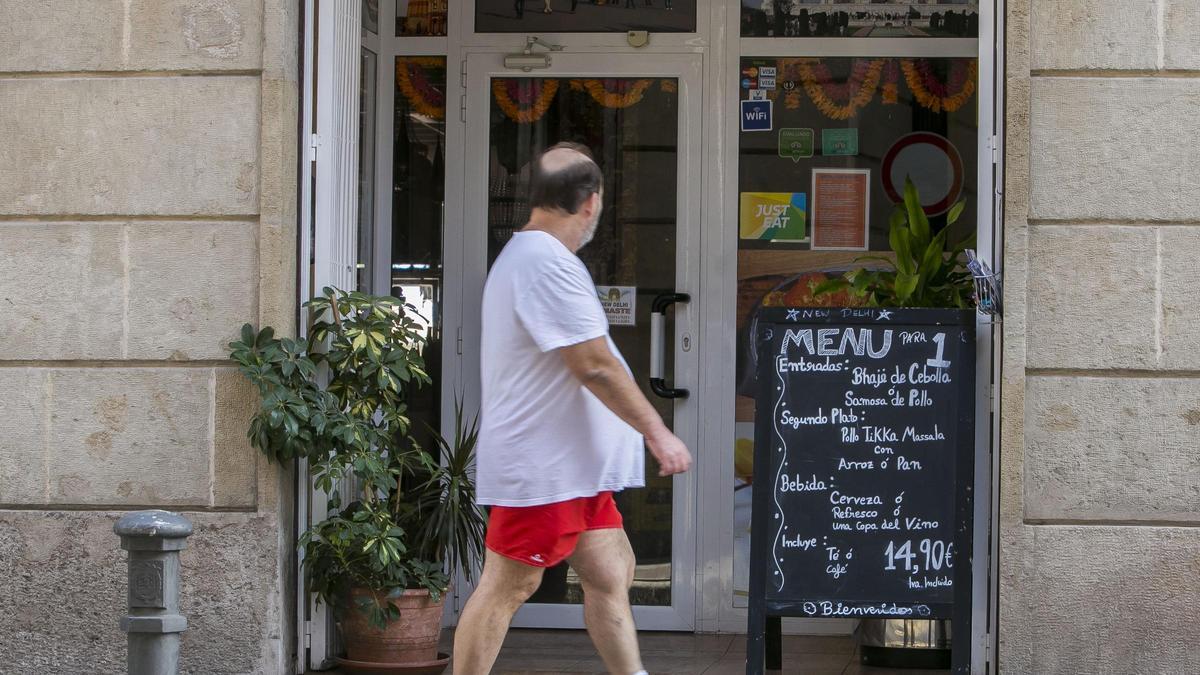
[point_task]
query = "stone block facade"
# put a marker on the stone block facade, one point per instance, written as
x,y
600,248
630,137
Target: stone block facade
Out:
x,y
1100,408
139,231
71,583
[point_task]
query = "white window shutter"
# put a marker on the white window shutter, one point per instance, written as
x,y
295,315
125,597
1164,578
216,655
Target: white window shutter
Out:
x,y
336,200
329,226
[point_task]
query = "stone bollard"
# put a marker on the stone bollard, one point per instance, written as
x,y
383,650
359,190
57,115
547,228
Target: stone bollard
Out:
x,y
153,539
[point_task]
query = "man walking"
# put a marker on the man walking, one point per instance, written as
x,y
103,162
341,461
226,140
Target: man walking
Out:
x,y
563,426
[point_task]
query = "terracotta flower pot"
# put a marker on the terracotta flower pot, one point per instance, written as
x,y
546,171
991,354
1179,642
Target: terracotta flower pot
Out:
x,y
412,638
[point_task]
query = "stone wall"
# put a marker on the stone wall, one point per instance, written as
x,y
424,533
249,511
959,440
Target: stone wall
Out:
x,y
1100,488
147,211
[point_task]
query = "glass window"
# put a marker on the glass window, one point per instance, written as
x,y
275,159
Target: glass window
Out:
x,y
846,18
370,15
585,16
826,146
418,196
421,18
627,125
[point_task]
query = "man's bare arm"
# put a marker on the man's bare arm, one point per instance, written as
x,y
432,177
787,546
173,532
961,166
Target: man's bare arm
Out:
x,y
596,367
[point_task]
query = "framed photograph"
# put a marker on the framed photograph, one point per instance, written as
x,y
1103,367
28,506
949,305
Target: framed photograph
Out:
x,y
421,18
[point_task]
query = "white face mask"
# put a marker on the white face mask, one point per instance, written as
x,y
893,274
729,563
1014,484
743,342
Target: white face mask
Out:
x,y
590,232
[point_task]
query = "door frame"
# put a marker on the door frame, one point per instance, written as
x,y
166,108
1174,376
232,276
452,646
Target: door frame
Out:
x,y
717,41
480,67
989,49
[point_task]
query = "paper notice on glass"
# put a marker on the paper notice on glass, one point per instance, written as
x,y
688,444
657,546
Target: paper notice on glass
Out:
x,y
620,304
841,201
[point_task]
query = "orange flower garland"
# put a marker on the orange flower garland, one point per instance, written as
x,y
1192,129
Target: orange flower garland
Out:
x,y
859,88
415,86
668,86
521,105
623,93
789,71
935,95
891,83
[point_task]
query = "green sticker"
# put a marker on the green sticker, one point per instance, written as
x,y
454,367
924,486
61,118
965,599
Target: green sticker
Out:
x,y
839,141
796,143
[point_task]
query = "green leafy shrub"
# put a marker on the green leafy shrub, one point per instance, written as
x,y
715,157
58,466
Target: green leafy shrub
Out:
x,y
337,400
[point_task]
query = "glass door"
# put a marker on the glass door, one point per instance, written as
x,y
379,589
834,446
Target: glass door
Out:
x,y
641,121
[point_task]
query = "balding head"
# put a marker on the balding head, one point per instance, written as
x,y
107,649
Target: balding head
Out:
x,y
563,178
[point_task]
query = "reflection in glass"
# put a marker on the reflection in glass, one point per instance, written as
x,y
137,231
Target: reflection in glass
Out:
x,y
885,118
844,18
416,18
367,84
585,16
627,125
418,174
370,15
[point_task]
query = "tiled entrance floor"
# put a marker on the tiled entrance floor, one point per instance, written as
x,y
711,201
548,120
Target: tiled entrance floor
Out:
x,y
568,651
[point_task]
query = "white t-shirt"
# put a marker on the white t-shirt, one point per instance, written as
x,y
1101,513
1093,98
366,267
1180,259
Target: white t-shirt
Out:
x,y
543,437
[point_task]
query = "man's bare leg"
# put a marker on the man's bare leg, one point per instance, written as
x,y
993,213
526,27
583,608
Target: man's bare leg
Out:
x,y
503,587
604,562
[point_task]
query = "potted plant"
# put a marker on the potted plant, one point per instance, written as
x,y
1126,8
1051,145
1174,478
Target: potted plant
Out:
x,y
927,271
403,517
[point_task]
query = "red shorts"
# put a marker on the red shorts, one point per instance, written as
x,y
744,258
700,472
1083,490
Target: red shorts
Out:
x,y
545,535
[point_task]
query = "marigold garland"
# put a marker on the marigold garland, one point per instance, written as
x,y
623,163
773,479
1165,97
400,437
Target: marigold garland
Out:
x,y
414,85
668,86
789,72
614,93
524,104
857,91
938,96
891,82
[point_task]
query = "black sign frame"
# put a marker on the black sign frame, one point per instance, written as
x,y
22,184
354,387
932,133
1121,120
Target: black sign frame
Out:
x,y
763,610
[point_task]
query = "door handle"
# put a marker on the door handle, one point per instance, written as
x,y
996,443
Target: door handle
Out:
x,y
658,343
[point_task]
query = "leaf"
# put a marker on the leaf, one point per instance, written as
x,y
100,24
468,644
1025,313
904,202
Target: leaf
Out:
x,y
902,245
955,212
828,286
931,262
861,281
877,258
905,285
918,222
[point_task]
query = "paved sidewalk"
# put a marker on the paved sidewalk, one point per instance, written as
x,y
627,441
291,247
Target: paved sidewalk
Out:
x,y
569,651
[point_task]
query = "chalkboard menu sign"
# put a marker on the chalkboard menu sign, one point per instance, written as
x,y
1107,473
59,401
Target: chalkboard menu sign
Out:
x,y
865,430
